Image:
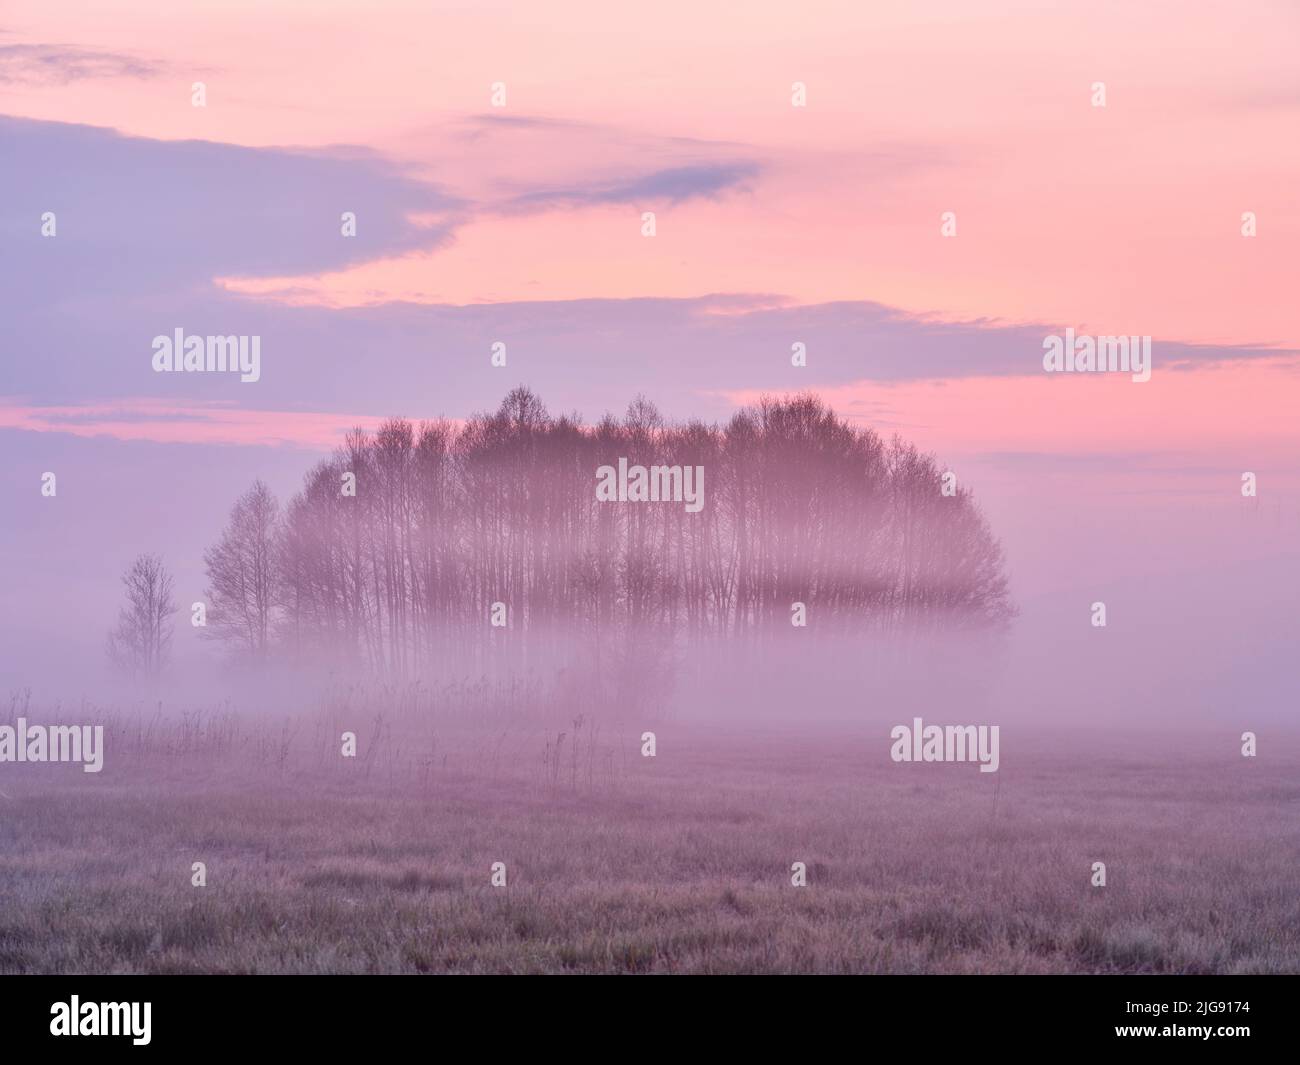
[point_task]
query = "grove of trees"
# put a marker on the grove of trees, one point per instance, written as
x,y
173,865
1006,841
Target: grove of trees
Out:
x,y
447,519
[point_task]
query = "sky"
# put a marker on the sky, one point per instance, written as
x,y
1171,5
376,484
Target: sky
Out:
x,y
499,160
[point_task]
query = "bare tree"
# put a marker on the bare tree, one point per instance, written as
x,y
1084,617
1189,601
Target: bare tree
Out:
x,y
140,643
242,574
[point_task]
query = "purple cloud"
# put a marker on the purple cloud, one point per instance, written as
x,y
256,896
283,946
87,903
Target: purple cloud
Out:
x,y
60,64
672,185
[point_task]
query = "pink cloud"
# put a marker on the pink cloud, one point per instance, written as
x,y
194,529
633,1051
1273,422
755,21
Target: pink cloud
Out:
x,y
167,423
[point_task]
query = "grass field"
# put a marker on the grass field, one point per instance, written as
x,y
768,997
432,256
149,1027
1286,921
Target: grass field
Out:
x,y
619,863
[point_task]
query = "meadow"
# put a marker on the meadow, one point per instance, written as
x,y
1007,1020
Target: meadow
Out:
x,y
619,863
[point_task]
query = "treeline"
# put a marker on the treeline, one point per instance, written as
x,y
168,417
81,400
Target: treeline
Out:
x,y
394,552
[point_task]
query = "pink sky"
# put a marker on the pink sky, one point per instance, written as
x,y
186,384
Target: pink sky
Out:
x,y
1118,219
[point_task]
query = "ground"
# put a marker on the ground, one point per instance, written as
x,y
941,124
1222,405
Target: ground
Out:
x,y
619,863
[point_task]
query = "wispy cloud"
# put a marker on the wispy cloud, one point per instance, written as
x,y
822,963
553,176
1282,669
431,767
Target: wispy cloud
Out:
x,y
168,423
61,64
672,185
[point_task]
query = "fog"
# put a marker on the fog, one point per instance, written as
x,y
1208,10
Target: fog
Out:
x,y
1199,628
